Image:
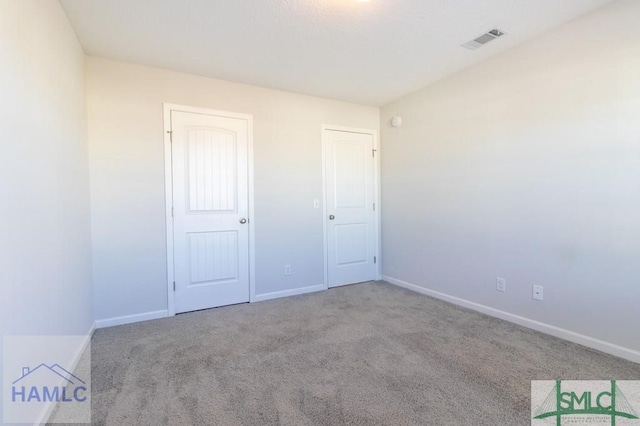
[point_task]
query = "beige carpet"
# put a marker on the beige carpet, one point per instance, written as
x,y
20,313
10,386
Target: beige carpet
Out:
x,y
367,354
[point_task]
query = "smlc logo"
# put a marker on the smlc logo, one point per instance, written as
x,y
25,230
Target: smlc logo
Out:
x,y
584,402
31,388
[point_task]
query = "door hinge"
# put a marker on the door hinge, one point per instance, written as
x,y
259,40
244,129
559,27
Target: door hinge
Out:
x,y
174,286
373,152
374,206
375,260
172,211
170,135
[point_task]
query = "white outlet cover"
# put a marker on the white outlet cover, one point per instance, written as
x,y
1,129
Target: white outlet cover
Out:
x,y
538,292
501,284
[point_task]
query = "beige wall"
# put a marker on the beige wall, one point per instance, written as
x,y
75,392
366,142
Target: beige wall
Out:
x,y
45,288
127,179
527,166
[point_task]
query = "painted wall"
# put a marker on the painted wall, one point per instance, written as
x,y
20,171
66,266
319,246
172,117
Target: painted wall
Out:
x,y
526,166
127,179
45,250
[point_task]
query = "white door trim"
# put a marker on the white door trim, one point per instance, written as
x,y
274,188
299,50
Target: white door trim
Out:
x,y
168,189
376,196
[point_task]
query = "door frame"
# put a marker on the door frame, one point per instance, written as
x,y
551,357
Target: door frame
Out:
x,y
168,189
376,196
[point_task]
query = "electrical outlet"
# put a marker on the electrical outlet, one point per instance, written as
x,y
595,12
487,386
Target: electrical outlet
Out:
x,y
316,203
501,284
538,292
287,270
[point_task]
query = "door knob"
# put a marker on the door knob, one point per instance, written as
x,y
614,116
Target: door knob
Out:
x,y
243,221
331,217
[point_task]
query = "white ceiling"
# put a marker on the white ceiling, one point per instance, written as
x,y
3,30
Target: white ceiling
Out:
x,y
371,53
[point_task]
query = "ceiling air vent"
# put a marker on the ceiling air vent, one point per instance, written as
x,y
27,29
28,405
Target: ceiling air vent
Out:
x,y
483,39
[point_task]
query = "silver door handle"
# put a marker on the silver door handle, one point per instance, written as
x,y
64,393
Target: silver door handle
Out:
x,y
243,221
331,217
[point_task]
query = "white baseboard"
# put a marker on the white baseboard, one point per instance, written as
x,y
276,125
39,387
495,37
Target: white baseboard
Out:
x,y
285,293
47,410
128,319
562,333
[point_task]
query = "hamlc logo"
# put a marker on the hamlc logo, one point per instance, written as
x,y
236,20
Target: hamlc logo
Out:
x,y
31,388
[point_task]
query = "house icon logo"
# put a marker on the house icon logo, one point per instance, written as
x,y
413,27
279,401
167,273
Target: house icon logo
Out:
x,y
48,383
46,379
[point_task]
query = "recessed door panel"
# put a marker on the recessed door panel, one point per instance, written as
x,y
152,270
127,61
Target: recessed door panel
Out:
x,y
213,257
351,244
350,170
211,167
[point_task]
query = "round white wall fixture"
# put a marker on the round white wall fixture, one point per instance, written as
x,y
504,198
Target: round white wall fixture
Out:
x,y
396,121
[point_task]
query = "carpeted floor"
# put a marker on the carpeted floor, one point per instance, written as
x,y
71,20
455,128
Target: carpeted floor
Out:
x,y
366,354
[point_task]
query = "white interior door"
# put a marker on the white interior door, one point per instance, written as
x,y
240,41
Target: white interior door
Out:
x,y
209,160
350,209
